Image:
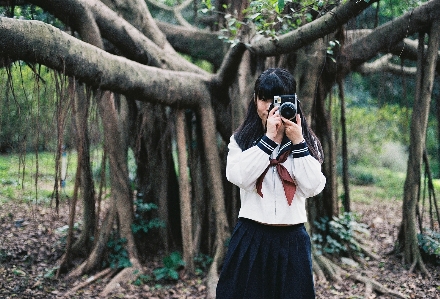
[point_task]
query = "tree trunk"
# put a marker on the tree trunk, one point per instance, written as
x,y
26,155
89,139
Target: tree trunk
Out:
x,y
426,69
120,187
345,173
216,187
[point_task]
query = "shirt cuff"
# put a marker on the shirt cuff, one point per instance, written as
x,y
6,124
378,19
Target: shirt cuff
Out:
x,y
300,150
267,145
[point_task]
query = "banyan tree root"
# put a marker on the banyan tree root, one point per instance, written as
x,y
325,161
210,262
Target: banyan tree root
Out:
x,y
376,286
335,273
328,268
91,279
94,259
126,275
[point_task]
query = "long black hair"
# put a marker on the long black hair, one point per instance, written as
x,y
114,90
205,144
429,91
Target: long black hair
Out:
x,y
272,82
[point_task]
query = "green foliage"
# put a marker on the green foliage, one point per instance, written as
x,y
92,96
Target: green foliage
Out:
x,y
203,64
270,18
51,273
361,176
388,184
371,130
202,263
140,223
118,255
230,33
429,243
341,233
5,256
31,12
171,264
393,8
332,45
27,108
142,279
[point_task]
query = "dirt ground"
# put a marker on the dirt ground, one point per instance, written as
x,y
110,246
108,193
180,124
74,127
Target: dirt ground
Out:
x,y
31,245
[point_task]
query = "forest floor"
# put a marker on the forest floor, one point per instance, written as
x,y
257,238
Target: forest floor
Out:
x,y
31,245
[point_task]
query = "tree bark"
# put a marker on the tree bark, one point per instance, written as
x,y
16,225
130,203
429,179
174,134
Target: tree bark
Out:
x,y
345,174
185,192
385,37
216,187
82,246
120,187
426,69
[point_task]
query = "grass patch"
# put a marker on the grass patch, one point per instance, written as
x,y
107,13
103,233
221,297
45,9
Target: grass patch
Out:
x,y
370,184
19,181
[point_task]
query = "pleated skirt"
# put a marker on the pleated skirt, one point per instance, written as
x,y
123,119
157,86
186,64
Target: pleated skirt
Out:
x,y
267,262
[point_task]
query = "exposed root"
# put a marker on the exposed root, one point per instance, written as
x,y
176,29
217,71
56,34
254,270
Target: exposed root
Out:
x,y
328,267
90,280
212,277
376,286
368,289
336,273
211,283
319,274
95,256
370,283
421,266
368,252
126,275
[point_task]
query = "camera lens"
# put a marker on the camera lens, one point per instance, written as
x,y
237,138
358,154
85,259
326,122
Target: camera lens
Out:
x,y
288,110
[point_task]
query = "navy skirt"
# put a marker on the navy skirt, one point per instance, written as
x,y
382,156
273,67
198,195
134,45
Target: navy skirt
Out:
x,y
267,262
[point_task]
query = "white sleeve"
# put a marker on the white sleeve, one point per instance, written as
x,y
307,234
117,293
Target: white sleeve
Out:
x,y
306,169
243,168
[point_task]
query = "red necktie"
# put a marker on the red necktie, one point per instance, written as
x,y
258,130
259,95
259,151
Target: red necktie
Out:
x,y
286,179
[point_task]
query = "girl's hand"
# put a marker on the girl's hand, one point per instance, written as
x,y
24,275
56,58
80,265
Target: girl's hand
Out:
x,y
274,126
293,130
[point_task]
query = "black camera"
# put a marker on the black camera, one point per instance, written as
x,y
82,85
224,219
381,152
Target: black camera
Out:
x,y
288,106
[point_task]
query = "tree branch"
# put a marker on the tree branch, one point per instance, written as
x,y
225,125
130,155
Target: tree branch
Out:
x,y
406,49
385,37
45,44
228,70
310,32
383,64
196,43
176,10
129,40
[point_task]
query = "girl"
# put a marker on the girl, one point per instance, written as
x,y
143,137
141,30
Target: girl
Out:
x,y
276,162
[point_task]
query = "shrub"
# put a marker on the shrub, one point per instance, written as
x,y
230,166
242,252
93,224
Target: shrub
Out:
x,y
171,264
429,243
340,234
118,255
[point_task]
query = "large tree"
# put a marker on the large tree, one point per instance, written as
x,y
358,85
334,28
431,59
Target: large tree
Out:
x,y
142,85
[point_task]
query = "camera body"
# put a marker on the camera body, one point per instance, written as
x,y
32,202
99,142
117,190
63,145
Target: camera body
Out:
x,y
288,106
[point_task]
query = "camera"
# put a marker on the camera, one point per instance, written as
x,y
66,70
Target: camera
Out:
x,y
288,106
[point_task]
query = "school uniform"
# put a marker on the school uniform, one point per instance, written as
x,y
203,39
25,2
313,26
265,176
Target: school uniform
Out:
x,y
269,254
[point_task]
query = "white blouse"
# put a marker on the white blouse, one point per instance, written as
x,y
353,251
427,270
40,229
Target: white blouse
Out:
x,y
243,168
